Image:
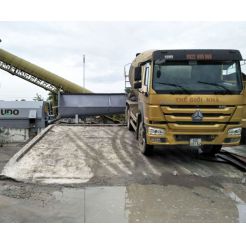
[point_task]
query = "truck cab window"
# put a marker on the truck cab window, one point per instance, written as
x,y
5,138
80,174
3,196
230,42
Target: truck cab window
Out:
x,y
205,77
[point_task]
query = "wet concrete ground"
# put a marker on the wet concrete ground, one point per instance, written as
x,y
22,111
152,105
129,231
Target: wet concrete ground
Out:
x,y
96,174
133,203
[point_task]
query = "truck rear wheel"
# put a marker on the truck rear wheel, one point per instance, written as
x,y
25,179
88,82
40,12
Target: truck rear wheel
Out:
x,y
211,149
145,148
128,120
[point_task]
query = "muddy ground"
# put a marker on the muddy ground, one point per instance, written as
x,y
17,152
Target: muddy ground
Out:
x,y
96,174
7,151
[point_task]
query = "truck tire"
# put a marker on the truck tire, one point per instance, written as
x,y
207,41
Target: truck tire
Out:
x,y
128,123
211,149
145,148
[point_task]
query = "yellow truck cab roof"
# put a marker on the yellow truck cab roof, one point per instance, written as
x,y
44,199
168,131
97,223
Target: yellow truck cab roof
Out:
x,y
187,54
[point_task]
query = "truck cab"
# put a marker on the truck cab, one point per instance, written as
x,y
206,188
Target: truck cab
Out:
x,y
186,97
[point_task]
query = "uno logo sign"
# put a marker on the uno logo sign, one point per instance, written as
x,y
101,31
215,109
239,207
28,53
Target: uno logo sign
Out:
x,y
9,112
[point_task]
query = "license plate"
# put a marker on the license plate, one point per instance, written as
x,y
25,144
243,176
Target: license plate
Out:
x,y
195,142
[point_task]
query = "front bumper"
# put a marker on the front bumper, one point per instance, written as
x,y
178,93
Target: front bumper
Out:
x,y
182,135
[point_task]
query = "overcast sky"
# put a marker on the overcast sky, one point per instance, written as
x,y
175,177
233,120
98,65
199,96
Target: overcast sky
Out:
x,y
59,47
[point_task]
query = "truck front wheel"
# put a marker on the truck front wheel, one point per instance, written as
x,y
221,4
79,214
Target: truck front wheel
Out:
x,y
211,149
145,148
128,120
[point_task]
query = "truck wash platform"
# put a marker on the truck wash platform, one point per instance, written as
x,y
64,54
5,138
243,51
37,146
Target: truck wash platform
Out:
x,y
97,174
94,154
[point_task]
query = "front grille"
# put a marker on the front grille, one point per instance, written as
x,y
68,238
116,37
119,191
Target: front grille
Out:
x,y
207,138
195,106
210,114
204,123
190,115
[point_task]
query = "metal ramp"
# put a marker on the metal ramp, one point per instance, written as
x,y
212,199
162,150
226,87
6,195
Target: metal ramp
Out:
x,y
70,105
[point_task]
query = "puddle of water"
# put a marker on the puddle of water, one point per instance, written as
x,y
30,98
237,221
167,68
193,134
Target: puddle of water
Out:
x,y
105,204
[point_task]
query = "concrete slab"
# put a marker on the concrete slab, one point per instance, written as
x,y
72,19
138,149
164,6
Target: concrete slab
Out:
x,y
24,205
133,203
105,204
153,203
50,162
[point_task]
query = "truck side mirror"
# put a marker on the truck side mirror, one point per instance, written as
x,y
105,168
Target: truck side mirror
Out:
x,y
137,73
137,85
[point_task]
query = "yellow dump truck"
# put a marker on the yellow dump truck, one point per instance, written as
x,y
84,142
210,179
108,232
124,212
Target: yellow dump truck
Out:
x,y
186,97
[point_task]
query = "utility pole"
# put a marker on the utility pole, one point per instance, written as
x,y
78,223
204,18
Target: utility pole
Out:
x,y
84,71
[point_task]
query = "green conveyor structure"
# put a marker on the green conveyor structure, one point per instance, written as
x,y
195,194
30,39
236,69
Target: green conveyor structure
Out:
x,y
37,75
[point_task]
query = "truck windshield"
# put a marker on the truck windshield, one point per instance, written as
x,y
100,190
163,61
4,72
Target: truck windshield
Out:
x,y
197,77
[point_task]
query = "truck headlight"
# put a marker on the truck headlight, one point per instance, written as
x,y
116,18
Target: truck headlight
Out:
x,y
156,131
235,131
